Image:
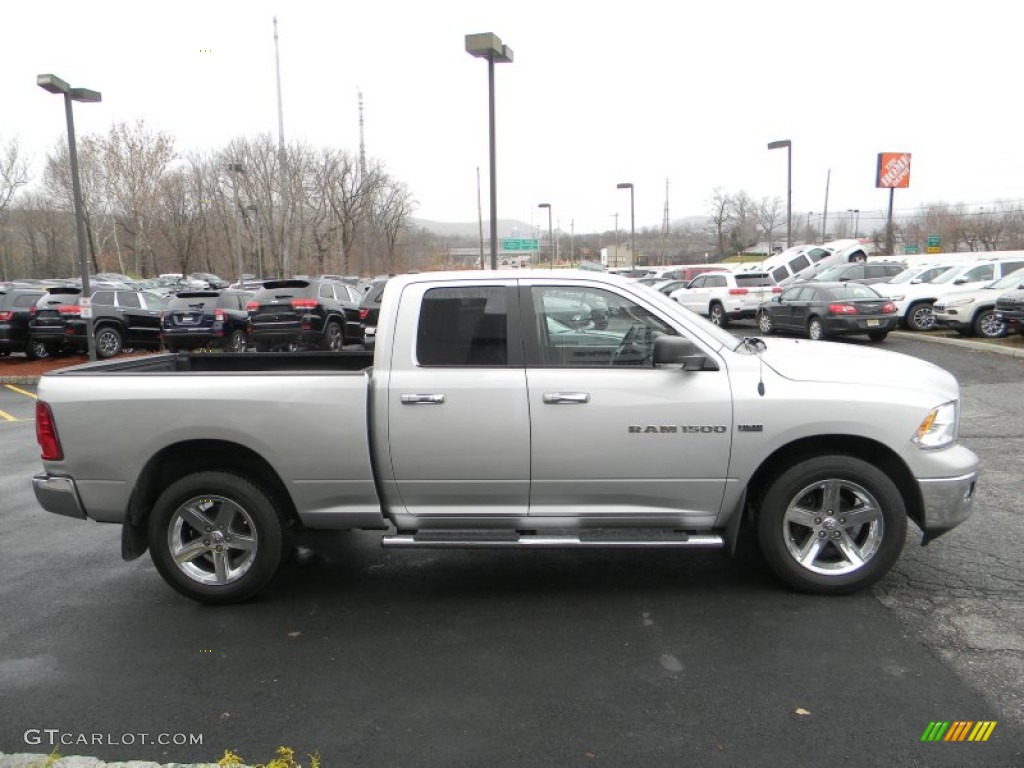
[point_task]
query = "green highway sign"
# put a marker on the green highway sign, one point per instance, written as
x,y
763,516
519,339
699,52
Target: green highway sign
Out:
x,y
911,249
518,244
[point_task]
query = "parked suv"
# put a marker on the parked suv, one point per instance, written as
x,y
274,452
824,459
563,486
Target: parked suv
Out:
x,y
866,273
1010,310
200,319
973,311
725,296
47,318
301,314
369,308
120,319
16,305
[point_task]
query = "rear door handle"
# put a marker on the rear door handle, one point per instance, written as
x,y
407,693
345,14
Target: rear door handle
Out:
x,y
566,398
422,399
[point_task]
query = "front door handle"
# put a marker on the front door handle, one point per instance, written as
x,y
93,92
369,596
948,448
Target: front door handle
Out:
x,y
422,399
566,398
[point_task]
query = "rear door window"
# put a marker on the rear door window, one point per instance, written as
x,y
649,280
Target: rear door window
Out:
x,y
466,326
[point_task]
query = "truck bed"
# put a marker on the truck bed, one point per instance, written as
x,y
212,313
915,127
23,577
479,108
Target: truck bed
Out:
x,y
246,362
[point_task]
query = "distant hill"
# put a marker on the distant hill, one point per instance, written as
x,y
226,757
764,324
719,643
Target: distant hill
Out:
x,y
506,228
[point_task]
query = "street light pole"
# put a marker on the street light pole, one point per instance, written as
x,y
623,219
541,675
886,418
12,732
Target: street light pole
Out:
x,y
54,84
789,186
632,222
488,46
551,252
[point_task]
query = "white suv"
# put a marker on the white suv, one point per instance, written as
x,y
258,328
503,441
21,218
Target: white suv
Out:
x,y
914,302
973,311
725,296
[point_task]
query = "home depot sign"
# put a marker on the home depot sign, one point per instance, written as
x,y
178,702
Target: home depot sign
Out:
x,y
893,170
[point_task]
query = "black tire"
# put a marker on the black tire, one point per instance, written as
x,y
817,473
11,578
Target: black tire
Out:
x,y
237,342
805,531
919,316
816,329
36,350
764,323
333,338
716,313
877,335
207,515
109,342
988,325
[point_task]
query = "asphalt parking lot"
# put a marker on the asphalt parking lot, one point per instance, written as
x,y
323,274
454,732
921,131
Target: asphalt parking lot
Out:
x,y
376,657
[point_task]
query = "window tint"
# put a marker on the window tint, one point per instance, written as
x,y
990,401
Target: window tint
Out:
x,y
463,326
790,294
778,274
854,291
584,327
127,299
326,291
103,298
800,262
754,280
1011,266
983,272
698,282
25,300
858,271
715,281
817,254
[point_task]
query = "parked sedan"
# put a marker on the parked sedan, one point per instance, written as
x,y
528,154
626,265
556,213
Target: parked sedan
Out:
x,y
206,319
821,310
868,273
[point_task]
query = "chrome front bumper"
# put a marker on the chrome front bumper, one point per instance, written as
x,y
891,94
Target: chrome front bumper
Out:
x,y
948,501
58,495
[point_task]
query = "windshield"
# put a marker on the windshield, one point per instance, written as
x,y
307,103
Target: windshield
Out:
x,y
1009,281
948,276
831,274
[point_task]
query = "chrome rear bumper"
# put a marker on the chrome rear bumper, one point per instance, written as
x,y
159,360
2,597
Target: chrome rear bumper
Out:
x,y
58,495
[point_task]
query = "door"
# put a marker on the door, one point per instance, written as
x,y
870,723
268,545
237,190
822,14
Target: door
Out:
x,y
614,439
457,419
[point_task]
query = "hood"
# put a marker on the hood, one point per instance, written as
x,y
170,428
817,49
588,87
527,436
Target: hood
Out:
x,y
824,361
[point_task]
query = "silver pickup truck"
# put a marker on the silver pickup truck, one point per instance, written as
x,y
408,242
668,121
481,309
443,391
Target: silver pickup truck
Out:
x,y
495,411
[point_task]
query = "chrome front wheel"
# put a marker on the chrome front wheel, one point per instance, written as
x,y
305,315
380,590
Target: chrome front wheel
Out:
x,y
832,524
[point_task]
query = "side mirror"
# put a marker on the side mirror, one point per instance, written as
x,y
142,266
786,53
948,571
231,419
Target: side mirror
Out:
x,y
677,350
960,281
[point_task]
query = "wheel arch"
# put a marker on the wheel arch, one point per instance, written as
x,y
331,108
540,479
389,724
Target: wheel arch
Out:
x,y
185,458
865,449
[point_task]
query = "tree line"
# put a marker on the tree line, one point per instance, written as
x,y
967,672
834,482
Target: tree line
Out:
x,y
247,208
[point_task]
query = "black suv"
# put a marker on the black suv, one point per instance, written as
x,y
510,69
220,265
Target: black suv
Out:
x,y
47,319
1010,309
16,305
121,319
301,314
369,309
205,320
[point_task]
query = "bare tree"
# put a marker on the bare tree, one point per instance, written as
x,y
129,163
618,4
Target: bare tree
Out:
x,y
135,158
390,211
721,218
768,212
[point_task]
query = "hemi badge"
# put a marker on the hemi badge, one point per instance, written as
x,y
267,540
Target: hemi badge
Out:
x,y
750,427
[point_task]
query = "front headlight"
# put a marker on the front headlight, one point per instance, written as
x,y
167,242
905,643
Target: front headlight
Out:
x,y
939,428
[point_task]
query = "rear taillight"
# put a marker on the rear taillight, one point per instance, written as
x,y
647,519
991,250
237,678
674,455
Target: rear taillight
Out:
x,y
842,309
363,314
218,315
69,309
738,291
305,303
252,306
6,316
889,308
776,289
32,309
46,434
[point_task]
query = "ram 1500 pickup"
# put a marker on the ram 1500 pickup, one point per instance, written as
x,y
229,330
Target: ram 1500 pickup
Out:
x,y
488,416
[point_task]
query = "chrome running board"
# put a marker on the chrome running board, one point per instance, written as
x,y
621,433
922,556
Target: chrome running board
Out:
x,y
490,540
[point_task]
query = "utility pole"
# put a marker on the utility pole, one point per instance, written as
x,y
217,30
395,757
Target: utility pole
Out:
x,y
282,160
824,215
480,217
664,227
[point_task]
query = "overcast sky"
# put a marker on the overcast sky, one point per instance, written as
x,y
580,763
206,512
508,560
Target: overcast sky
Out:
x,y
642,91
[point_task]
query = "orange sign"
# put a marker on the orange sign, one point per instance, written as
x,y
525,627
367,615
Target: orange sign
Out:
x,y
893,170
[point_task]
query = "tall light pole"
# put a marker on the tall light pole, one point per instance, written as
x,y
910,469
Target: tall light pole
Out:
x,y
235,169
488,45
551,242
632,222
54,84
856,220
789,185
